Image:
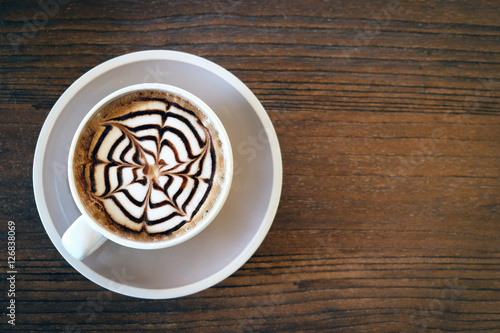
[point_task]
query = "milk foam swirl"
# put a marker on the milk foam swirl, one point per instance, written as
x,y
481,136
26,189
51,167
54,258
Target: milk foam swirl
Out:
x,y
153,167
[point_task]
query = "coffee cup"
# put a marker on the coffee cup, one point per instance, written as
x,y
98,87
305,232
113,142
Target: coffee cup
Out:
x,y
149,167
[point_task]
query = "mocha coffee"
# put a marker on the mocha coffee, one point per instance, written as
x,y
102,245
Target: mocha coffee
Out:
x,y
149,165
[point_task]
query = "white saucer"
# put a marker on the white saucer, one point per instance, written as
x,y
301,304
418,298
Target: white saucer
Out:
x,y
236,233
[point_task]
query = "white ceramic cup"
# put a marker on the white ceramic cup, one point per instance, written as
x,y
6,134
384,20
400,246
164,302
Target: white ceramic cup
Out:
x,y
86,235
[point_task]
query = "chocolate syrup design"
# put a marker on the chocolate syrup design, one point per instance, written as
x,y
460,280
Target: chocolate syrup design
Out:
x,y
152,168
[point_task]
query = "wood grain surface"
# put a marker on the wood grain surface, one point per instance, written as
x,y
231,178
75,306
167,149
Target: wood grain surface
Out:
x,y
388,117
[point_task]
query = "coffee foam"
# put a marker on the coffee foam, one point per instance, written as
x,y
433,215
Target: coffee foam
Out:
x,y
149,166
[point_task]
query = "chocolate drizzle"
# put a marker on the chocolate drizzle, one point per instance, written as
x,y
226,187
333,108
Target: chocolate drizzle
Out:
x,y
152,168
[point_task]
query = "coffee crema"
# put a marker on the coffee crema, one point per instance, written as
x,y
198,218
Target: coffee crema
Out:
x,y
149,165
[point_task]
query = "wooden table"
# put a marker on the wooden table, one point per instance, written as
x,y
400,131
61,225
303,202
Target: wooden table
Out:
x,y
388,117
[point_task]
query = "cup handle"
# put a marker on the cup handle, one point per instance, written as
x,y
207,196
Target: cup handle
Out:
x,y
80,240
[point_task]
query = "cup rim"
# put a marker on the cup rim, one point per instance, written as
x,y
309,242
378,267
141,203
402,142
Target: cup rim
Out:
x,y
224,189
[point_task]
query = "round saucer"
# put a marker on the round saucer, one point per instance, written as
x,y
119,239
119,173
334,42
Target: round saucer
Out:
x,y
240,227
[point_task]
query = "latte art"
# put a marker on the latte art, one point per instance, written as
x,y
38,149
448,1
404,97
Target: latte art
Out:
x,y
151,166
